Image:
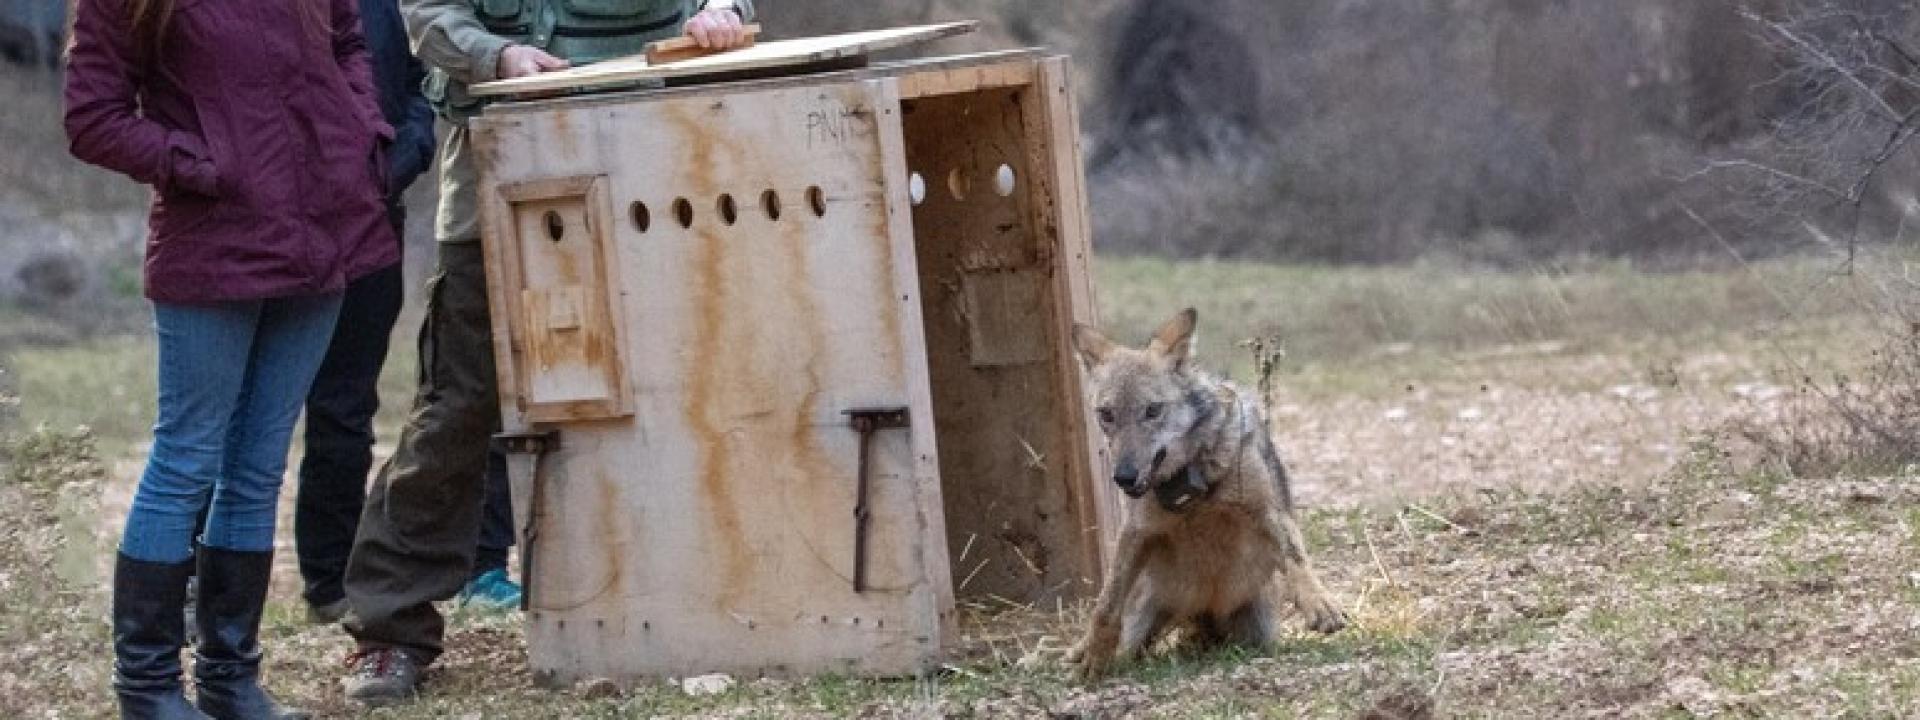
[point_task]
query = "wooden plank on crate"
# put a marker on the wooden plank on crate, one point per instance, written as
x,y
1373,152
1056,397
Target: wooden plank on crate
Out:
x,y
930,519
1013,70
780,53
686,48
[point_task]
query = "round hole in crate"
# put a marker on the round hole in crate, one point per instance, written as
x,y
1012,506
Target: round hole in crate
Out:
x,y
958,184
641,217
728,212
817,200
1003,180
556,225
916,188
683,212
770,203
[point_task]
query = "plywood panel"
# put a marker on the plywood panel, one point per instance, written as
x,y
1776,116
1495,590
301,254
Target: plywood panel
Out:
x,y
1052,126
802,51
713,530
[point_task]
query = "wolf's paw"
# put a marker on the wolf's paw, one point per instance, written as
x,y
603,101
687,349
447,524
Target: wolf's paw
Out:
x,y
1091,656
1327,620
1090,669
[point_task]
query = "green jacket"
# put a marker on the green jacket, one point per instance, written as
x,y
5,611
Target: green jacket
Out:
x,y
460,40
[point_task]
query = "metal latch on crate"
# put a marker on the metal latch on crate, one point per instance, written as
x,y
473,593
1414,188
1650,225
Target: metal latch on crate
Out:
x,y
865,422
537,445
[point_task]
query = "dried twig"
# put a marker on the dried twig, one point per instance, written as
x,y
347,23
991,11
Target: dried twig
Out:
x,y
1436,516
1375,552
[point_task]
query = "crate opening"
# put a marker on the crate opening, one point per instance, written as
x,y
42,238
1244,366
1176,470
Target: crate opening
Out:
x,y
1014,530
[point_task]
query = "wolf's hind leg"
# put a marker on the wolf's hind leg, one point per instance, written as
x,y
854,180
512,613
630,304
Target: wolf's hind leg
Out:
x,y
1251,626
1302,585
1201,634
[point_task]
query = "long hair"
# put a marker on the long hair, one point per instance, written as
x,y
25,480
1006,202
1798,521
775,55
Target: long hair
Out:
x,y
147,22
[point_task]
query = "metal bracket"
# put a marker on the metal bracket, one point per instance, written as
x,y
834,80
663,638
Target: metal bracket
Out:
x,y
537,444
865,422
527,443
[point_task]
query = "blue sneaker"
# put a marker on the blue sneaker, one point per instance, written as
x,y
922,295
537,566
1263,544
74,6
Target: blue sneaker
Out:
x,y
491,592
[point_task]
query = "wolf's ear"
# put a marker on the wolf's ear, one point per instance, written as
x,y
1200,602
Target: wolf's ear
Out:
x,y
1174,340
1094,347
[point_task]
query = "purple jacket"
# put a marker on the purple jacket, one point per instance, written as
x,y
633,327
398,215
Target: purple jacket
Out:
x,y
258,129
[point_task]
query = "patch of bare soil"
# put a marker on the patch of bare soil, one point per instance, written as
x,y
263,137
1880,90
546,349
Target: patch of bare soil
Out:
x,y
1534,417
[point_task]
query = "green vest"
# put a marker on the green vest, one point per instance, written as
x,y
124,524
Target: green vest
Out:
x,y
584,31
578,31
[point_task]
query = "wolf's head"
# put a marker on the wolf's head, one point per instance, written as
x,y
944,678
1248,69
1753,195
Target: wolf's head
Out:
x,y
1148,401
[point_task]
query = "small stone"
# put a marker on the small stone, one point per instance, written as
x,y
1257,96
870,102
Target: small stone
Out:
x,y
706,685
1726,510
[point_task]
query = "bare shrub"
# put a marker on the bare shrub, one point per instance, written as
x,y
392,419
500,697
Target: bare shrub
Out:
x,y
1826,169
1869,424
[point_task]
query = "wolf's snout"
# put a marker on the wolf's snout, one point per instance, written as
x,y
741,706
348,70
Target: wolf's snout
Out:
x,y
1127,476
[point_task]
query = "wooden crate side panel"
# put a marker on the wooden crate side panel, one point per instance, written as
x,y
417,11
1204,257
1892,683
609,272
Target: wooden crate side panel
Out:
x,y
1061,214
1011,513
930,517
714,532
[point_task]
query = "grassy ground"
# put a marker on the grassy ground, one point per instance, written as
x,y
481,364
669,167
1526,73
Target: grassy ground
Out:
x,y
1707,593
1516,485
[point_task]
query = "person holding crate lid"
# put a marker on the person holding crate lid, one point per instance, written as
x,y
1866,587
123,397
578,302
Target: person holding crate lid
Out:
x,y
415,543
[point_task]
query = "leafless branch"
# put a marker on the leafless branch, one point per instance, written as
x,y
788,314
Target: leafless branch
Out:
x,y
1800,180
1826,59
1893,44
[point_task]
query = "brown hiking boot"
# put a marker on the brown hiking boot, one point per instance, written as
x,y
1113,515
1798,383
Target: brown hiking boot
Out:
x,y
380,677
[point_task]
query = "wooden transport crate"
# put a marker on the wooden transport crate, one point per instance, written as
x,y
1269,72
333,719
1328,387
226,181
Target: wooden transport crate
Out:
x,y
697,288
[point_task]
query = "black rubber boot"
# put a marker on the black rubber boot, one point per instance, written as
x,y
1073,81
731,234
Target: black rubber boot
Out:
x,y
148,629
226,669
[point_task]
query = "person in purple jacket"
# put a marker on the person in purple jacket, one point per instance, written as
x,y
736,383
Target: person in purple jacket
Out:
x,y
257,126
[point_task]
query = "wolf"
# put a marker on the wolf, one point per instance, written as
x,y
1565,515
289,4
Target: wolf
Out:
x,y
1210,517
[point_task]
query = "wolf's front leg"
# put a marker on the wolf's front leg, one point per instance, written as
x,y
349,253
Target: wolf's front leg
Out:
x,y
1282,534
1146,620
1096,649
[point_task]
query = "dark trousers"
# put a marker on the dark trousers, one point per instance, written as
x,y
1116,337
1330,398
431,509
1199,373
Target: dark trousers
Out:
x,y
339,434
417,532
339,445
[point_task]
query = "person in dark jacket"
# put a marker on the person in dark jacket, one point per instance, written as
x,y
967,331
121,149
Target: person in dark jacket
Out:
x,y
257,126
345,395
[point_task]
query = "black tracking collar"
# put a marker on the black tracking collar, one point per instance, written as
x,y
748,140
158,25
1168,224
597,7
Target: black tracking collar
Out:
x,y
1183,490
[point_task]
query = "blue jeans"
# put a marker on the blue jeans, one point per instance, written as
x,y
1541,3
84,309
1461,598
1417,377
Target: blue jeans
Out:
x,y
233,377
